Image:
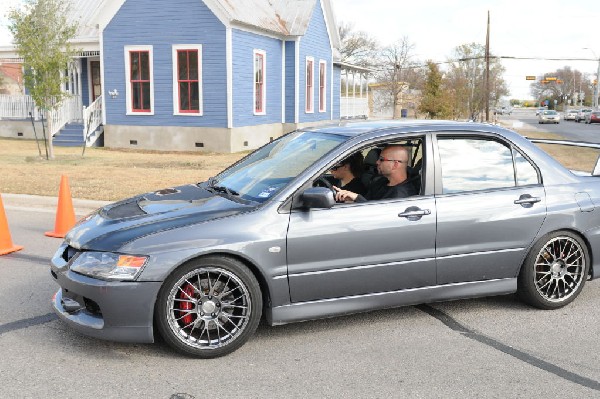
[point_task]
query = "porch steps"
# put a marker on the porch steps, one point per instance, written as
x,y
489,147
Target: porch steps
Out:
x,y
72,136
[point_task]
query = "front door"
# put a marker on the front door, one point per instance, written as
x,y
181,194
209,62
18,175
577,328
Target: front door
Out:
x,y
96,81
361,248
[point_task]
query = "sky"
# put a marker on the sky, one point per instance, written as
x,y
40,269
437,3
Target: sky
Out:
x,y
518,28
525,28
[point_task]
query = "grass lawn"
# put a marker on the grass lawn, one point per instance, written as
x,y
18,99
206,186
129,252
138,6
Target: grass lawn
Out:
x,y
110,174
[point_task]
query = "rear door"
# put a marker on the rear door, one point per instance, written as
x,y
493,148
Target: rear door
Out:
x,y
491,204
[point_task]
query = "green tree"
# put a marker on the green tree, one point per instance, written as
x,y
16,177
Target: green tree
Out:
x,y
41,35
435,98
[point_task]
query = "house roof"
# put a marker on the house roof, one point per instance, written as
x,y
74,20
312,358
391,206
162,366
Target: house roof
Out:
x,y
284,17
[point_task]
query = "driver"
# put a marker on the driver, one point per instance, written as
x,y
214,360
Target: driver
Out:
x,y
347,174
392,164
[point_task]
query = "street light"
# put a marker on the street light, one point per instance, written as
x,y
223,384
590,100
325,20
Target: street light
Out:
x,y
595,99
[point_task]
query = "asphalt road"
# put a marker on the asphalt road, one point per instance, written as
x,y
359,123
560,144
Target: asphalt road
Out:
x,y
486,348
570,130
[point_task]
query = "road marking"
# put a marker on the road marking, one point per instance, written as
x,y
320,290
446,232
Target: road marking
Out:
x,y
26,323
523,356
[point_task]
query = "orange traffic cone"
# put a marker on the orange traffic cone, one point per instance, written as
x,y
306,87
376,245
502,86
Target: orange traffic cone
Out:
x,y
65,214
6,244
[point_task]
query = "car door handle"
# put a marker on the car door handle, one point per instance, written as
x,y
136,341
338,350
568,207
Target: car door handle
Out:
x,y
527,199
414,213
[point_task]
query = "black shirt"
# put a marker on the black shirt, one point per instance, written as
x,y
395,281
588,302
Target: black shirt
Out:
x,y
380,190
356,186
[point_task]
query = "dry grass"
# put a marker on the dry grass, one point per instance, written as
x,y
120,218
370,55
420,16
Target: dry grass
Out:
x,y
108,174
102,174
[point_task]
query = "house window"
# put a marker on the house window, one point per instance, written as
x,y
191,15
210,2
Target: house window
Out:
x,y
187,80
259,82
309,84
322,85
139,74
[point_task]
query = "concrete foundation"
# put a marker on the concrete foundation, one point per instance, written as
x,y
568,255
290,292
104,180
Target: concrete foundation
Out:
x,y
176,138
20,129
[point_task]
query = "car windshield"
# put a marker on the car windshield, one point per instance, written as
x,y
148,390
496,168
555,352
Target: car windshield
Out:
x,y
267,170
549,112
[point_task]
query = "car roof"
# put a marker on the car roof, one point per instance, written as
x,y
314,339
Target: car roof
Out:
x,y
353,129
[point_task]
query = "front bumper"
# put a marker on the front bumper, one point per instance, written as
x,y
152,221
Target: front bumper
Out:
x,y
111,310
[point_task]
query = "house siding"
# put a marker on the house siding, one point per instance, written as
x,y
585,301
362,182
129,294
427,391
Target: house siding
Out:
x,y
290,81
337,90
151,23
316,44
244,44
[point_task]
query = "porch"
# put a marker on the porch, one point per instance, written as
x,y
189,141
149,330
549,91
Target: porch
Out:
x,y
70,124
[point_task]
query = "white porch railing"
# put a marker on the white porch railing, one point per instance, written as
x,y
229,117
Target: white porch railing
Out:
x,y
70,110
354,107
92,117
17,107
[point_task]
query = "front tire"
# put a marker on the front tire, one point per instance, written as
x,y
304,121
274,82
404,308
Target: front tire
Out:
x,y
209,307
554,271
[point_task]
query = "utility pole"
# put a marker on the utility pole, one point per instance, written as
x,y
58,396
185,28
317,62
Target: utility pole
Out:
x,y
487,70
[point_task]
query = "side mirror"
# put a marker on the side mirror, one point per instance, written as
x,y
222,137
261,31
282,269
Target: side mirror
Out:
x,y
317,197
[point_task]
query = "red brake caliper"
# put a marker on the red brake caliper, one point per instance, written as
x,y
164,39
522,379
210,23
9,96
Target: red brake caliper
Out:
x,y
186,306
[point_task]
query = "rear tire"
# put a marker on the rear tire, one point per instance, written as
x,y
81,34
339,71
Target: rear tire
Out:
x,y
209,307
554,271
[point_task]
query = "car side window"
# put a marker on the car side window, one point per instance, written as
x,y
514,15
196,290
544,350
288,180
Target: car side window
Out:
x,y
526,173
470,164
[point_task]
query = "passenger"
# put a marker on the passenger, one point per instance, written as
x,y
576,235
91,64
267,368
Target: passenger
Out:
x,y
347,174
392,164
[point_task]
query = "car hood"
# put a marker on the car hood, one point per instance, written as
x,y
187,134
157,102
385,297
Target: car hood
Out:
x,y
117,224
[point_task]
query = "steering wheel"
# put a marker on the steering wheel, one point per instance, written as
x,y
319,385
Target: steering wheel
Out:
x,y
327,184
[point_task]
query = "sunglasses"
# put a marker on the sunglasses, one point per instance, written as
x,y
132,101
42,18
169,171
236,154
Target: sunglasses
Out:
x,y
336,167
383,159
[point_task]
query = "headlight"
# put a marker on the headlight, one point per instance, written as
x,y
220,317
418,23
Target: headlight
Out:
x,y
109,266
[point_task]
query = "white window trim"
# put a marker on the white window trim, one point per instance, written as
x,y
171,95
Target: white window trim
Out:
x,y
264,87
127,49
323,101
312,97
176,110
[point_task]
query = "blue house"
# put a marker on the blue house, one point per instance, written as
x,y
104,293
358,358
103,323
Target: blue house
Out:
x,y
218,75
208,75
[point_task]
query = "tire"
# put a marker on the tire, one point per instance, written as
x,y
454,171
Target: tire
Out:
x,y
209,307
554,271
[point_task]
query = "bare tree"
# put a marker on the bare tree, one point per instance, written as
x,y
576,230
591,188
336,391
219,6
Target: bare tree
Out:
x,y
466,80
565,85
399,71
358,48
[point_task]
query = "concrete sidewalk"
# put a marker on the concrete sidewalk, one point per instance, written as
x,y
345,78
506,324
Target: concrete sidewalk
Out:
x,y
48,204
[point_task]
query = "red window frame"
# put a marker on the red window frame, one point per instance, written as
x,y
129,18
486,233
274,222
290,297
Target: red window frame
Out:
x,y
309,85
322,83
140,80
259,82
191,82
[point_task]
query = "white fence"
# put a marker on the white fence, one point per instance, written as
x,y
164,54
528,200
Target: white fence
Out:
x,y
354,107
17,107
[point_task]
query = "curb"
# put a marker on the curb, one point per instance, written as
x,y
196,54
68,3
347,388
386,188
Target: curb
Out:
x,y
25,202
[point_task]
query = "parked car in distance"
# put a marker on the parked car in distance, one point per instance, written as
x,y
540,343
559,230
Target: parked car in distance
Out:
x,y
202,264
549,116
540,110
582,113
571,115
593,117
503,111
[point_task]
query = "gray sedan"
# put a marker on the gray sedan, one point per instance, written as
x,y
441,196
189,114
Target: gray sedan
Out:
x,y
201,264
